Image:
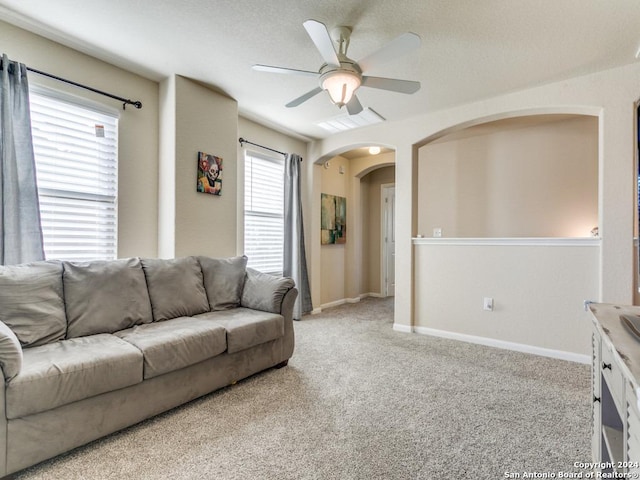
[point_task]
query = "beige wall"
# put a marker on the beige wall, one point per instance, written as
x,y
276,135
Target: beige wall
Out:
x,y
167,169
206,121
523,280
536,181
197,119
349,271
334,257
138,129
360,250
372,226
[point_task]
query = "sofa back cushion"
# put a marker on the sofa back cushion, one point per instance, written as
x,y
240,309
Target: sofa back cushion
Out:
x,y
175,287
105,296
265,292
31,302
223,280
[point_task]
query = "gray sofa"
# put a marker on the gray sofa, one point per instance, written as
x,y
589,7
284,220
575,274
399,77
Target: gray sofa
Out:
x,y
87,349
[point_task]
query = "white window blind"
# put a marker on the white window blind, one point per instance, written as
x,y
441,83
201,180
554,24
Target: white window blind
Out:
x,y
76,167
264,212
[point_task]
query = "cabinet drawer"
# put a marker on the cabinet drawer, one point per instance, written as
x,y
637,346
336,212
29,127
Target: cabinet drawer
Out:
x,y
613,376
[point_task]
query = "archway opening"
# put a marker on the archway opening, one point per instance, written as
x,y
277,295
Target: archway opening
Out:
x,y
352,269
529,176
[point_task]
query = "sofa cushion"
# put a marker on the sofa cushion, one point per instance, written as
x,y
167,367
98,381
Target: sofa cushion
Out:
x,y
265,292
175,287
63,372
105,296
247,328
223,280
31,302
175,343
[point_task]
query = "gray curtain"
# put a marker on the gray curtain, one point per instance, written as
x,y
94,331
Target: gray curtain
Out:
x,y
295,258
20,230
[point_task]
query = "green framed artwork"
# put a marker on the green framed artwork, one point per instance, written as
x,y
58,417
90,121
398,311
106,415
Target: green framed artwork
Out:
x,y
333,219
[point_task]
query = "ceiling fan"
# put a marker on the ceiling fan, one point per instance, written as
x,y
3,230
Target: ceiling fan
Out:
x,y
342,76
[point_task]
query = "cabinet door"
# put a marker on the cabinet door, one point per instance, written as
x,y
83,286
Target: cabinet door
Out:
x,y
633,433
596,414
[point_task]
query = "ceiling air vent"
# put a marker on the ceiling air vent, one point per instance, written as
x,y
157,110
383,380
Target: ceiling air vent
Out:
x,y
347,122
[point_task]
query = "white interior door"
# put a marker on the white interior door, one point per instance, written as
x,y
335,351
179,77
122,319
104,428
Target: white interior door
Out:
x,y
388,240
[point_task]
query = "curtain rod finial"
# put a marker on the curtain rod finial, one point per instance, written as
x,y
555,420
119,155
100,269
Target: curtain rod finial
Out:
x,y
136,104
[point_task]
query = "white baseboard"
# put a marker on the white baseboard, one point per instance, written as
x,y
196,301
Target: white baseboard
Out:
x,y
492,342
332,304
371,294
337,303
402,328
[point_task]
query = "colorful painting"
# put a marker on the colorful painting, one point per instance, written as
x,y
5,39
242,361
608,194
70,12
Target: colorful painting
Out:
x,y
333,219
209,174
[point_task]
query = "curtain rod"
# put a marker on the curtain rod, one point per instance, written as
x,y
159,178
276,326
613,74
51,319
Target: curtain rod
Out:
x,y
124,101
243,141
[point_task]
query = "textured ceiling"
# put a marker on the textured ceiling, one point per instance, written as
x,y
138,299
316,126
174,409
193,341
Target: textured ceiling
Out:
x,y
470,49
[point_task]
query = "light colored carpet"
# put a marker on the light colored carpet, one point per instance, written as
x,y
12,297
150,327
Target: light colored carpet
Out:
x,y
360,401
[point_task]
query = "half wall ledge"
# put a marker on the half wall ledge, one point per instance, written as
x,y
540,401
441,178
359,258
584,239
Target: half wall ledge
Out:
x,y
515,241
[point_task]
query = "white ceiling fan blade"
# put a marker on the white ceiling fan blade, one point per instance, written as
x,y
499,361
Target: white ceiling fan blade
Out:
x,y
322,40
391,84
288,71
354,106
399,46
304,98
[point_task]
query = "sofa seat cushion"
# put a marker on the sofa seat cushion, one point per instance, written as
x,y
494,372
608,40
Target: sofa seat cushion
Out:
x,y
63,372
175,343
247,328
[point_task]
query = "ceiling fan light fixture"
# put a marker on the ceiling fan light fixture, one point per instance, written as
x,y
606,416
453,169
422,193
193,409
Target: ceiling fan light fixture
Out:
x,y
341,76
341,85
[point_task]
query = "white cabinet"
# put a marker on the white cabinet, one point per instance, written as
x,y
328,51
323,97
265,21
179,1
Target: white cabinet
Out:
x,y
615,430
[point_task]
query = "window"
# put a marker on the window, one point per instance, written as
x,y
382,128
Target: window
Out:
x,y
76,149
264,212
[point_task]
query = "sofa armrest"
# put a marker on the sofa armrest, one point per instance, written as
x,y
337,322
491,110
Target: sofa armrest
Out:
x,y
10,352
265,292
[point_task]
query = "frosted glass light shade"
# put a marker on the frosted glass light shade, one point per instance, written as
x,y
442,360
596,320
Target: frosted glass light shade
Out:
x,y
340,86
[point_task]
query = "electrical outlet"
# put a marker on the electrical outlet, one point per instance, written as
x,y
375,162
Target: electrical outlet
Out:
x,y
488,304
437,232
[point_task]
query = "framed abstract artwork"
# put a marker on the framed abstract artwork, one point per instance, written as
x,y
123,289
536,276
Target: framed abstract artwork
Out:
x,y
333,219
209,174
